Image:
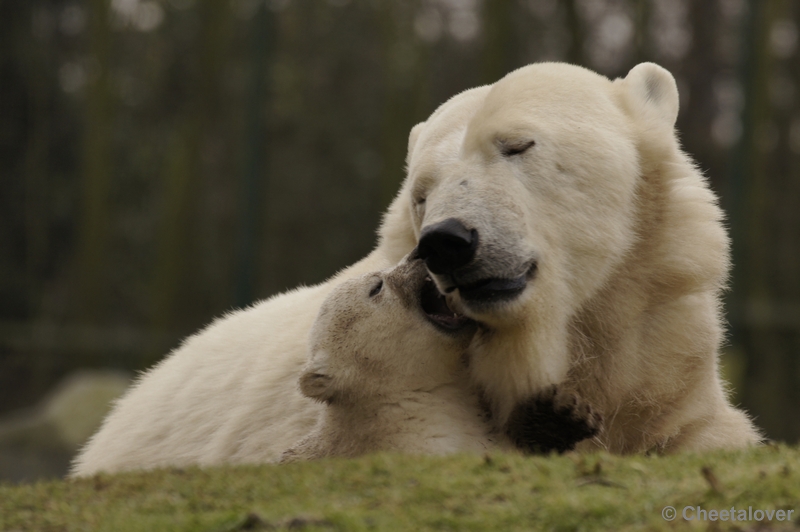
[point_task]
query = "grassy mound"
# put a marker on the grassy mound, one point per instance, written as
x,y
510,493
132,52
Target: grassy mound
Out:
x,y
392,492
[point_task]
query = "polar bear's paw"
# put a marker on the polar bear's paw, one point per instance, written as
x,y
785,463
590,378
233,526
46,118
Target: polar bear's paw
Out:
x,y
552,420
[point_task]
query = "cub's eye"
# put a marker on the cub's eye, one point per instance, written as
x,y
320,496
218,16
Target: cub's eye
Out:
x,y
511,149
376,289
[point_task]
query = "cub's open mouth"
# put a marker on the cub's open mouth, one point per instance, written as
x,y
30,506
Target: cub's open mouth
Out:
x,y
436,309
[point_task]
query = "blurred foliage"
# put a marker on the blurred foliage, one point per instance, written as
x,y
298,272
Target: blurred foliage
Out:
x,y
163,161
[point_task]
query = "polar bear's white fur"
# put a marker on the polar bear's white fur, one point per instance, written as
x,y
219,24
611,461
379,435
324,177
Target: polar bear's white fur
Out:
x,y
578,188
392,379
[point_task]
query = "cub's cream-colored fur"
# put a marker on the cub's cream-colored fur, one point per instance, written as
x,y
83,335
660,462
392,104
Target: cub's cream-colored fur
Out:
x,y
624,308
392,380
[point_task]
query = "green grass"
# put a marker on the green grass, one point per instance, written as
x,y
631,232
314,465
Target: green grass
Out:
x,y
392,492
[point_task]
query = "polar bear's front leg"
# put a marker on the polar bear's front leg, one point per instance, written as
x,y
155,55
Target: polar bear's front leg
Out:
x,y
552,420
513,364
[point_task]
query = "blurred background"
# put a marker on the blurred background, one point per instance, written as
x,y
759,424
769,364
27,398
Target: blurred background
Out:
x,y
165,161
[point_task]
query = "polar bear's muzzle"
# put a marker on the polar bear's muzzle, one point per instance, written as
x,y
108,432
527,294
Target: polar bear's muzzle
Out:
x,y
410,280
450,252
447,246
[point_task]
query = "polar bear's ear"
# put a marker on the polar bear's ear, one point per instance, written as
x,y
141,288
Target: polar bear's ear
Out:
x,y
652,94
412,140
316,384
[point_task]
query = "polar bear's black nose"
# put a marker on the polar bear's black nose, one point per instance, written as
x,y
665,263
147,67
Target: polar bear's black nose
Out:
x,y
447,245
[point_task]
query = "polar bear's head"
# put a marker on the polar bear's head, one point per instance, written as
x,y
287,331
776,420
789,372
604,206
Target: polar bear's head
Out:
x,y
524,195
373,337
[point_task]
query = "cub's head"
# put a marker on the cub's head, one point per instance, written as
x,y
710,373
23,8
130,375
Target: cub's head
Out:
x,y
382,333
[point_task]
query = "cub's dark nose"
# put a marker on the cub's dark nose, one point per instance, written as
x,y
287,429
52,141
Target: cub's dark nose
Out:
x,y
447,245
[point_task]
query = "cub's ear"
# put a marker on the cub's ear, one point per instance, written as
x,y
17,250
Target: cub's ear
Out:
x,y
317,386
316,383
412,140
652,95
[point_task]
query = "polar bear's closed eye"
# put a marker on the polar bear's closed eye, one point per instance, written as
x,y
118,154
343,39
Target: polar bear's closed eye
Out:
x,y
509,148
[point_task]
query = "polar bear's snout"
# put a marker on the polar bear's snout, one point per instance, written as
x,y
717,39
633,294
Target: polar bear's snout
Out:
x,y
450,250
447,246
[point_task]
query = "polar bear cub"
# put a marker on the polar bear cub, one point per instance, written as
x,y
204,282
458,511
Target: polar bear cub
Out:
x,y
387,357
392,379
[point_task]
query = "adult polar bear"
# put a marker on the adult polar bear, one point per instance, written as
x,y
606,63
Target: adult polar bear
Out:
x,y
556,208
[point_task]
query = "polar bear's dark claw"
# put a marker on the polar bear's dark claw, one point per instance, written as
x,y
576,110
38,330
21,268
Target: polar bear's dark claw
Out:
x,y
552,420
